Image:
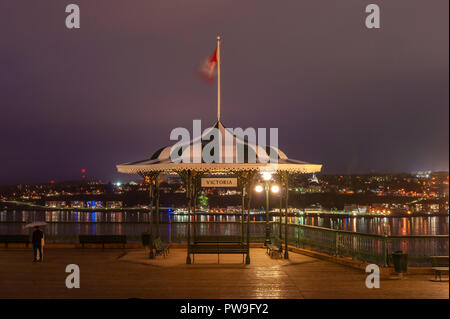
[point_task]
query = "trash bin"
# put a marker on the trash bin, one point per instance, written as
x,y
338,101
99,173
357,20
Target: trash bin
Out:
x,y
400,260
145,239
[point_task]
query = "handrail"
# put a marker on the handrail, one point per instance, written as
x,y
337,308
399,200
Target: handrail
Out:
x,y
367,234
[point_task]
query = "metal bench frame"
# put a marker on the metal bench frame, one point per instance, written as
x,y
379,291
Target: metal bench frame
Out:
x,y
439,264
15,239
275,246
217,245
161,249
102,239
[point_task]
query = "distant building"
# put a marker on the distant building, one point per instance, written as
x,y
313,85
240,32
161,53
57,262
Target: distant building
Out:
x,y
114,204
55,204
77,204
356,209
94,204
317,208
424,174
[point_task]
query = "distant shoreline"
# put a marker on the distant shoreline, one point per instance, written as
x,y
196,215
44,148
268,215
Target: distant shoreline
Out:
x,y
10,206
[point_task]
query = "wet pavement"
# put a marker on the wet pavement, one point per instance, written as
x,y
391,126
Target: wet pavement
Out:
x,y
116,273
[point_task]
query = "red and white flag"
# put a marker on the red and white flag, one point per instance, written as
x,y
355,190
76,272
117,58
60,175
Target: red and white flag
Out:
x,y
208,70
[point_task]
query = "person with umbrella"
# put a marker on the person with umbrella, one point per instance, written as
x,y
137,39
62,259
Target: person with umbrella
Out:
x,y
37,239
38,235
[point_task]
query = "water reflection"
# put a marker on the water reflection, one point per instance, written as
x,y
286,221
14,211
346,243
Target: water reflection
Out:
x,y
72,223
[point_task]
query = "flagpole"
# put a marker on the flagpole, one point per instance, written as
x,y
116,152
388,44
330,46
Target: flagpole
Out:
x,y
218,78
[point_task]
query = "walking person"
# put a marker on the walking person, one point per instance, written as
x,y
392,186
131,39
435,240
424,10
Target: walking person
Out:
x,y
37,239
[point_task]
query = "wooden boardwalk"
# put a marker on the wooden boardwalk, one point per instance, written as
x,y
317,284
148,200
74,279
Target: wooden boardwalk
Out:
x,y
114,273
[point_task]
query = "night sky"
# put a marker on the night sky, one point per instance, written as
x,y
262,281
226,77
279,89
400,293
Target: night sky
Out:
x,y
353,99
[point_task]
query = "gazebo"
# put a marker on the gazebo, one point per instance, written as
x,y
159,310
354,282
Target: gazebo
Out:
x,y
245,172
181,160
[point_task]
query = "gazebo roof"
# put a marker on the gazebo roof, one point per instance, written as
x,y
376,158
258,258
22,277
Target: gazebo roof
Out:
x,y
162,161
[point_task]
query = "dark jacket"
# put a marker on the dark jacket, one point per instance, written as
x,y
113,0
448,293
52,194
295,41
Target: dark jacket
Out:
x,y
37,236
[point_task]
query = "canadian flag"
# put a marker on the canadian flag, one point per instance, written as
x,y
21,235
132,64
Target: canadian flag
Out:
x,y
208,69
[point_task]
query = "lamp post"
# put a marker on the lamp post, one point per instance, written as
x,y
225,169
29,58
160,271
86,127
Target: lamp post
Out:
x,y
285,180
286,250
266,176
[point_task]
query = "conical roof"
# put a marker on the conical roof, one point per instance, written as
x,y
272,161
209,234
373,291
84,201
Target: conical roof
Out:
x,y
248,156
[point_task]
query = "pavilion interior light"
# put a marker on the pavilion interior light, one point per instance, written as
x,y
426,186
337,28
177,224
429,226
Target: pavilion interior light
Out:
x,y
259,188
266,176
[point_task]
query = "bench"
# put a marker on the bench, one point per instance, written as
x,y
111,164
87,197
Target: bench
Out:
x,y
14,239
439,264
161,249
218,240
102,239
218,245
274,247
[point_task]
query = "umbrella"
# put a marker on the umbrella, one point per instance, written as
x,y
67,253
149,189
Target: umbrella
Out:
x,y
35,224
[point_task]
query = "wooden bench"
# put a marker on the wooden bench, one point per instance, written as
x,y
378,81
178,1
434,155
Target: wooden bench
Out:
x,y
15,239
218,240
275,247
161,249
102,239
218,245
439,264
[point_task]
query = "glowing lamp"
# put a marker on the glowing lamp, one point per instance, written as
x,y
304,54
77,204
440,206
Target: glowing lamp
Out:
x,y
275,189
266,176
259,188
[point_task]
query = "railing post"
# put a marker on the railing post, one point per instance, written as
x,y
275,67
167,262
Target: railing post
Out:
x,y
385,251
170,227
336,244
151,255
385,244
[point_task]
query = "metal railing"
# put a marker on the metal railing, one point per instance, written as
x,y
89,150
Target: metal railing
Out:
x,y
359,246
368,247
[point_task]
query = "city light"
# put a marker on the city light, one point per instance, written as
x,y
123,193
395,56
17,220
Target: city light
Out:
x,y
259,188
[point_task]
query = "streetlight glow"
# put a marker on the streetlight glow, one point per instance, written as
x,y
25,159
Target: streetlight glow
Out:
x,y
275,189
259,188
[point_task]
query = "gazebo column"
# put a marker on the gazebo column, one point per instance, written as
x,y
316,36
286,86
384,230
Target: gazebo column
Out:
x,y
242,212
249,180
196,186
189,196
158,234
241,176
194,206
191,180
268,226
150,243
249,200
281,207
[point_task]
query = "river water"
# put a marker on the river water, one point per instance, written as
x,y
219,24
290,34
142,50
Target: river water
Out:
x,y
65,226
